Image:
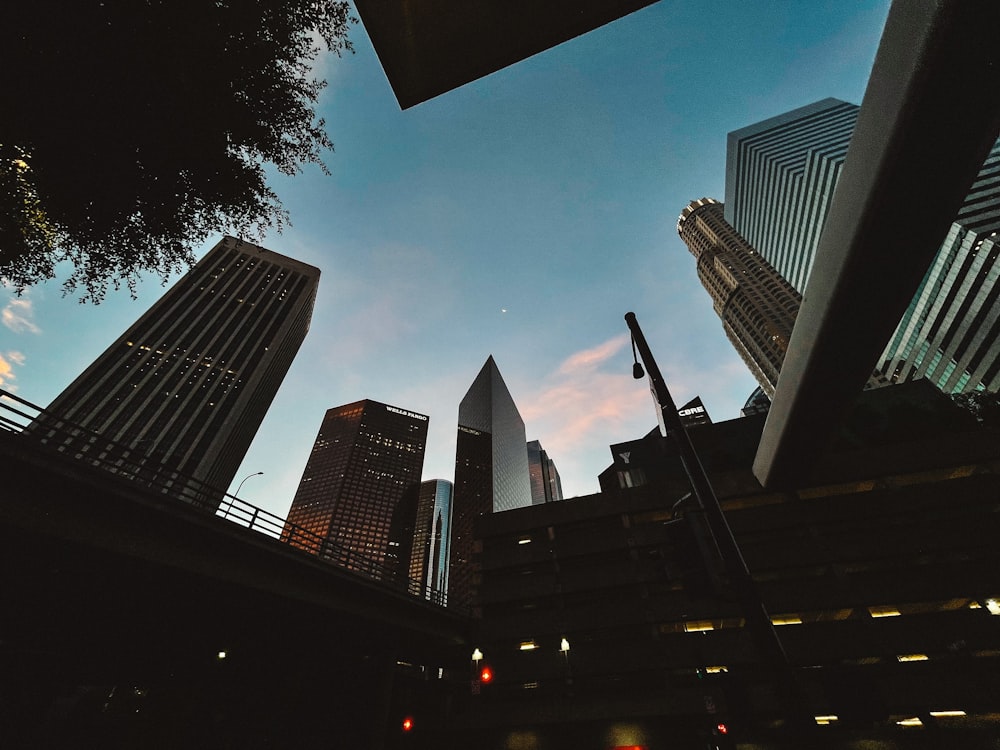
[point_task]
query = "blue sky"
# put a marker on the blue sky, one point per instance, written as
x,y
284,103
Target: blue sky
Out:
x,y
551,190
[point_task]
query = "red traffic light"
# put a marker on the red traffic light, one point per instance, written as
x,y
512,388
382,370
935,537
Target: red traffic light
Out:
x,y
407,724
721,728
486,675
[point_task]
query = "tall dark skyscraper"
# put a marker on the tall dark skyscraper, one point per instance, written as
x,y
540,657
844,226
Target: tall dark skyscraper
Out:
x,y
491,468
756,305
546,486
780,179
432,538
359,488
188,384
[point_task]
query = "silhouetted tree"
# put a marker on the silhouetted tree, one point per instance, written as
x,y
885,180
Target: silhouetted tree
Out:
x,y
132,130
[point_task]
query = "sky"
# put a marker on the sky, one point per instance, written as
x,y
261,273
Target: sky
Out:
x,y
521,215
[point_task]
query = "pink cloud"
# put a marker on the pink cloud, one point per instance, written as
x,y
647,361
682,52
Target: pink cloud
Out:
x,y
588,359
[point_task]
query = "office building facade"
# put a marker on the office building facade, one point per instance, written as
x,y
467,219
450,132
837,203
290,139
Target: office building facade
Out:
x,y
546,486
186,387
592,629
432,539
356,502
491,468
780,179
757,306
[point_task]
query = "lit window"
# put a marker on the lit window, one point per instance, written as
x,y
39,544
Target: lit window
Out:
x,y
826,720
528,646
884,612
912,657
941,714
716,670
786,620
698,626
993,605
913,721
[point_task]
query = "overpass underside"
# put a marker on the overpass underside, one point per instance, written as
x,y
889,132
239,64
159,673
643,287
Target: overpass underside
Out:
x,y
132,620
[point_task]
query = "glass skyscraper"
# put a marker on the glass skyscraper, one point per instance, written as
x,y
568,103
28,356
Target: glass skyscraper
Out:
x,y
780,179
186,387
358,492
546,486
491,469
432,538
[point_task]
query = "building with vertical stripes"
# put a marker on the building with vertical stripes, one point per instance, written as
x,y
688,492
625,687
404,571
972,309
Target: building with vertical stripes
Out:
x,y
780,179
188,384
358,492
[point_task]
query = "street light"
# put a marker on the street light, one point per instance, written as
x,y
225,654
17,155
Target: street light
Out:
x,y
236,495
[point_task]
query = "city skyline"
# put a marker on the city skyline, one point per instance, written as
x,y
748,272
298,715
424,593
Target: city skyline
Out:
x,y
548,189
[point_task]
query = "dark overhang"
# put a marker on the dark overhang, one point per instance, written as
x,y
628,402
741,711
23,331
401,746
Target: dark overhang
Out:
x,y
432,46
923,131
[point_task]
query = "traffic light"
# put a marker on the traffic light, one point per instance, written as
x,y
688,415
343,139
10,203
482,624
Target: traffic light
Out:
x,y
408,724
486,675
720,739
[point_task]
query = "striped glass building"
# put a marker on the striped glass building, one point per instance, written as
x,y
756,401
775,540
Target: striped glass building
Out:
x,y
780,179
780,176
188,384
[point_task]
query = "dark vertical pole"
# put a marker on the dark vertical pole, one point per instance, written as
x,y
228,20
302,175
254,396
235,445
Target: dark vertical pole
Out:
x,y
758,621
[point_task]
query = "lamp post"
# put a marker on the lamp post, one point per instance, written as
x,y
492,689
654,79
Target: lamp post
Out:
x,y
757,618
236,495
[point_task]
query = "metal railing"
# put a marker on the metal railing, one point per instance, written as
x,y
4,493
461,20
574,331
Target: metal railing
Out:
x,y
51,433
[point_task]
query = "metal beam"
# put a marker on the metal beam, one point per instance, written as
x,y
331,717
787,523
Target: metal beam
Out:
x,y
928,119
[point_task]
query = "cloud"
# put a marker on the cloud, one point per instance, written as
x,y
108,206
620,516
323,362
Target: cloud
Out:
x,y
7,375
18,316
589,359
579,404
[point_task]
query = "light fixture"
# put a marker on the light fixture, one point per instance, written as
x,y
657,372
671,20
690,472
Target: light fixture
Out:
x,y
939,714
884,612
528,646
221,655
698,626
993,605
564,645
913,721
477,655
786,620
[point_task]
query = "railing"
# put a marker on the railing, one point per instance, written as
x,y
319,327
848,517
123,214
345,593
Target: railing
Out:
x,y
49,432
